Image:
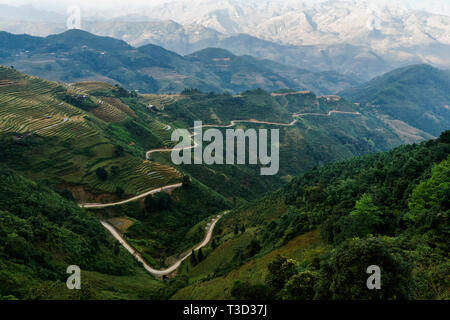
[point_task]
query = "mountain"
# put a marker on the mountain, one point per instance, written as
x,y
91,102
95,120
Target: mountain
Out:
x,y
398,35
326,36
78,55
87,142
355,60
418,95
316,237
300,23
173,36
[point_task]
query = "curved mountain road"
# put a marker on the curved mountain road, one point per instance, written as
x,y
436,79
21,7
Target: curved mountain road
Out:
x,y
173,267
209,232
232,123
140,196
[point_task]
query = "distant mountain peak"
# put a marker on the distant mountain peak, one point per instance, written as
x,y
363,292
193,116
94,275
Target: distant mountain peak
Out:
x,y
213,53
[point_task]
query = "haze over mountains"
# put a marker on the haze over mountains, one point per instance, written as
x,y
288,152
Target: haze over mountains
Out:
x,y
88,120
77,55
360,39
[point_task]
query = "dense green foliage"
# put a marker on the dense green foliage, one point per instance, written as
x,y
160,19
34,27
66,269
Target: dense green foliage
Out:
x,y
387,209
170,224
418,95
41,234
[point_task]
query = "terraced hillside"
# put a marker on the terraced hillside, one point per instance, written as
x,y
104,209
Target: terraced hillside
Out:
x,y
64,135
314,130
315,237
76,55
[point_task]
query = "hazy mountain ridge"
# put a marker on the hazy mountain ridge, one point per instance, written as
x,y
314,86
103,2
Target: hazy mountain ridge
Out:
x,y
418,95
323,36
78,55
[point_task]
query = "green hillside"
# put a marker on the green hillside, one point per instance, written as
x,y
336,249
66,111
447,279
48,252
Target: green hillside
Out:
x,y
314,238
315,138
63,135
41,234
87,141
77,55
418,95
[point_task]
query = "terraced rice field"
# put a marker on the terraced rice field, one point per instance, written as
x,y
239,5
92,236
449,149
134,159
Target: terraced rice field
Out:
x,y
161,100
91,86
108,112
109,109
27,106
161,130
115,102
139,177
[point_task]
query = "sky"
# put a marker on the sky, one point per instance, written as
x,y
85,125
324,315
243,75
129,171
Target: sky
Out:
x,y
434,6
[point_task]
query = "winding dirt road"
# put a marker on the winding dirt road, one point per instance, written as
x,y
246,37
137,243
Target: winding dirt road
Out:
x,y
210,230
140,196
232,123
175,266
290,124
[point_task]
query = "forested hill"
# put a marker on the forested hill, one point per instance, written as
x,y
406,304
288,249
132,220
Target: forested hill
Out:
x,y
316,237
418,95
77,55
41,234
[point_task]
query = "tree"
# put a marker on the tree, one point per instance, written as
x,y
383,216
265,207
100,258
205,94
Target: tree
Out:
x,y
186,181
119,151
343,272
163,201
193,258
242,229
115,170
149,203
253,248
365,207
66,193
365,219
246,291
280,271
429,203
213,243
116,248
101,173
200,255
300,286
119,192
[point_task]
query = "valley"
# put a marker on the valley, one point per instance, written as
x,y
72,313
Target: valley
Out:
x,y
291,152
106,148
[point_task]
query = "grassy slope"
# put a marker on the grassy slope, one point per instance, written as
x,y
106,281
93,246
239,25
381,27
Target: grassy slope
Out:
x,y
160,233
41,234
418,95
303,248
67,154
281,222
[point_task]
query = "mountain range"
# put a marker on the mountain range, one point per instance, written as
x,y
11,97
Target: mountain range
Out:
x,y
417,95
78,55
319,37
87,127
